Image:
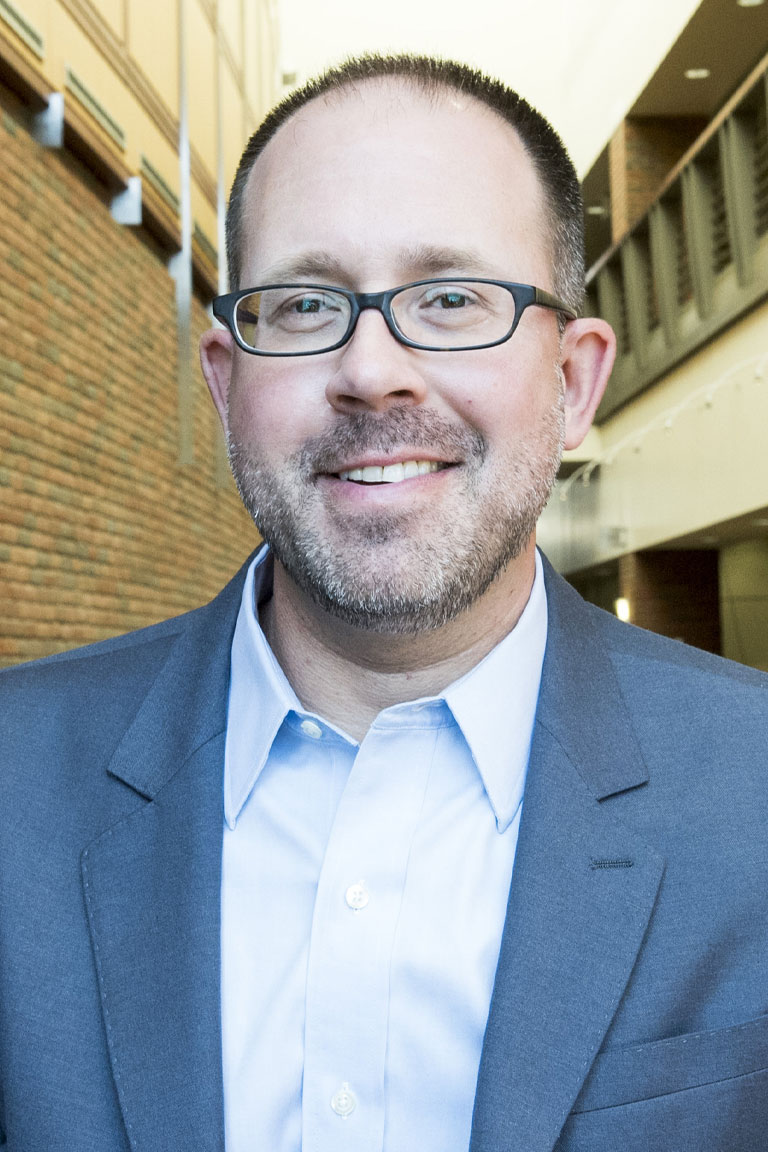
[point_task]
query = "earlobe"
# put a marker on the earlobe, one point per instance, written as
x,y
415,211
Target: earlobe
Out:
x,y
216,353
588,353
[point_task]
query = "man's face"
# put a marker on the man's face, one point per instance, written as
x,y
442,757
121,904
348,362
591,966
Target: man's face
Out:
x,y
368,191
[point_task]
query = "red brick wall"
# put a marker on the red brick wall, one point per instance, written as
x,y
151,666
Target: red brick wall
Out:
x,y
641,154
101,529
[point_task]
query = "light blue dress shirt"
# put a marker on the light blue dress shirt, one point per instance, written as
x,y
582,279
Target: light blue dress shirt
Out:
x,y
364,892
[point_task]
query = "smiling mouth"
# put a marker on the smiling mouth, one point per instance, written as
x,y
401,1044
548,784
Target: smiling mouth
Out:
x,y
392,473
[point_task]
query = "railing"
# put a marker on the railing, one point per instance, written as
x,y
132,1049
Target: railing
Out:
x,y
698,258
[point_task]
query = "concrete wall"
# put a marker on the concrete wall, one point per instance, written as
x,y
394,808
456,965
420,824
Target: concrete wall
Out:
x,y
744,602
687,454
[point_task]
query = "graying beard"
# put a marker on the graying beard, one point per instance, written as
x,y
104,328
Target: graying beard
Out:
x,y
384,610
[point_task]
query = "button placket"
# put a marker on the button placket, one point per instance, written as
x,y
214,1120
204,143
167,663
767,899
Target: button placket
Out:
x,y
344,1101
357,896
348,974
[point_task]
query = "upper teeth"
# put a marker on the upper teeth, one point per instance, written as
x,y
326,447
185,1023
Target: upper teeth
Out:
x,y
390,473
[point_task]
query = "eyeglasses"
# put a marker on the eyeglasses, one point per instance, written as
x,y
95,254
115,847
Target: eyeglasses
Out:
x,y
442,315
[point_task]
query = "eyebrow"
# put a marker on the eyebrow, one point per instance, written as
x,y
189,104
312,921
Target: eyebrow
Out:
x,y
415,263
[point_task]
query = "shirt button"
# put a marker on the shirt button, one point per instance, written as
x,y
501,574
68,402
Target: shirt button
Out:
x,y
309,728
344,1101
357,896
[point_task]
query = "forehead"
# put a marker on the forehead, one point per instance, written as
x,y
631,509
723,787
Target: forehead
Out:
x,y
384,167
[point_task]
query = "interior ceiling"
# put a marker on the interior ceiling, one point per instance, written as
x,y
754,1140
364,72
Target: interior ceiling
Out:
x,y
722,36
751,526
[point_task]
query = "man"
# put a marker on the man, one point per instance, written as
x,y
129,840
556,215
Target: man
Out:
x,y
491,872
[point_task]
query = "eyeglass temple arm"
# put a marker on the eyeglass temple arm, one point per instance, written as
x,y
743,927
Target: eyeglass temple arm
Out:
x,y
547,300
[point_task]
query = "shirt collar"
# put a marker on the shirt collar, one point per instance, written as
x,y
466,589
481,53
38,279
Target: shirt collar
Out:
x,y
260,696
494,704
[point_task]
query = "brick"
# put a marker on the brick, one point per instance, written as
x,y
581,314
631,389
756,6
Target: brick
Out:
x,y
100,529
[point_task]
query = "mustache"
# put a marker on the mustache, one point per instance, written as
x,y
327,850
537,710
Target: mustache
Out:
x,y
361,432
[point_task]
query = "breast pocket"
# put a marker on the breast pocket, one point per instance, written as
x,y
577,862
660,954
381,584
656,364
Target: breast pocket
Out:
x,y
706,1090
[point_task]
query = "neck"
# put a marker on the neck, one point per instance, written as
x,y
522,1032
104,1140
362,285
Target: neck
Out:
x,y
348,675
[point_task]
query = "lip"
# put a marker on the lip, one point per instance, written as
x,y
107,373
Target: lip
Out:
x,y
355,495
372,460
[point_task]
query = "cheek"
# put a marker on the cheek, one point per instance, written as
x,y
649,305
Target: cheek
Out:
x,y
271,411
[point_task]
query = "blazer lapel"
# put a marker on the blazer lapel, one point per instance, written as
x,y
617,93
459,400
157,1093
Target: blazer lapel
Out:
x,y
583,889
152,893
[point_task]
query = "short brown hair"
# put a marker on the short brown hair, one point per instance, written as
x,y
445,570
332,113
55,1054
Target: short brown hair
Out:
x,y
433,76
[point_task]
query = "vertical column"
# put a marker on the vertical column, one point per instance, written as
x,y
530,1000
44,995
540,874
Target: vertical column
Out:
x,y
744,601
180,264
636,297
609,302
674,592
663,243
221,463
736,158
697,214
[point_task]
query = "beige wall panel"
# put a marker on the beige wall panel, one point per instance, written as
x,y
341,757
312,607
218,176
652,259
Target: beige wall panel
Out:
x,y
204,215
686,455
114,13
34,12
268,52
161,155
201,65
75,50
252,53
135,124
231,24
153,44
260,57
232,125
36,15
47,19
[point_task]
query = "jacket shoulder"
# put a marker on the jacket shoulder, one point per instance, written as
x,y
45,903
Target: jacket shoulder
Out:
x,y
628,642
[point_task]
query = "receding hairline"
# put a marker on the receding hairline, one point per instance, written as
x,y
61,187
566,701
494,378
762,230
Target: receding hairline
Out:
x,y
434,90
440,80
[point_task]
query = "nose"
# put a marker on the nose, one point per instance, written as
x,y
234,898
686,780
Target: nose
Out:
x,y
375,371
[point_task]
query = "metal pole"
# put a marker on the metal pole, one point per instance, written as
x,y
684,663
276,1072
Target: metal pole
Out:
x,y
180,264
221,459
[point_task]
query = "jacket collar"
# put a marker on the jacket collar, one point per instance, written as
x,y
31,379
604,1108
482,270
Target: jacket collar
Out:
x,y
583,889
187,704
152,893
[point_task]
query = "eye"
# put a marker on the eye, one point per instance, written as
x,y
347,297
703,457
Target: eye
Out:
x,y
307,304
292,307
448,298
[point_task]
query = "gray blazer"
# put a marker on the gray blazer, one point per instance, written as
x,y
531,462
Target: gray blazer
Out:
x,y
629,1009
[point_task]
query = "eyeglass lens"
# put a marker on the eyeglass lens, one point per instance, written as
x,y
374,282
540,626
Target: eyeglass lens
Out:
x,y
296,318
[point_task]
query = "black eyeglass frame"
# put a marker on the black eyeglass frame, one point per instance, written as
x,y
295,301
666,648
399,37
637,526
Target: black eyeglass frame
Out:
x,y
524,296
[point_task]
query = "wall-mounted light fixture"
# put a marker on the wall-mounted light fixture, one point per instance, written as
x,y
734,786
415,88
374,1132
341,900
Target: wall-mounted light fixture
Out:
x,y
621,608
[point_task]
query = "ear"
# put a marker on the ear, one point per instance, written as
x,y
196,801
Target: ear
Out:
x,y
217,349
587,353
